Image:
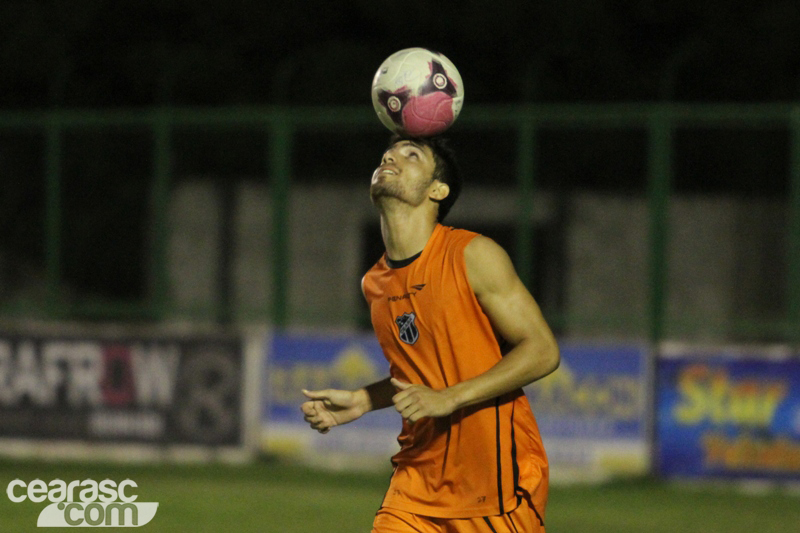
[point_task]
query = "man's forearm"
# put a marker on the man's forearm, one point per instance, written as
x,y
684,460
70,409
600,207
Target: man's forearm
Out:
x,y
521,366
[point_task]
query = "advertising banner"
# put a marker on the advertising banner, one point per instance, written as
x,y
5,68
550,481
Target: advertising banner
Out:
x,y
593,411
319,361
728,413
159,390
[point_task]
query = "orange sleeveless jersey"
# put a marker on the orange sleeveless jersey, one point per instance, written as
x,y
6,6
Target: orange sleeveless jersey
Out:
x,y
481,459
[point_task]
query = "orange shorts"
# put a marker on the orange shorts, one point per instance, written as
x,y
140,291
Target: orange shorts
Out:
x,y
523,519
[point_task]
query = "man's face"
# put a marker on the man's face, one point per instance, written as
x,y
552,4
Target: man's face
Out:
x,y
405,173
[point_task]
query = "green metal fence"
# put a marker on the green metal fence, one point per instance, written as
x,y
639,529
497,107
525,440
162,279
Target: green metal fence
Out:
x,y
281,126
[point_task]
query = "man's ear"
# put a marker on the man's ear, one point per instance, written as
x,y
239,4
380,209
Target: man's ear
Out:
x,y
439,191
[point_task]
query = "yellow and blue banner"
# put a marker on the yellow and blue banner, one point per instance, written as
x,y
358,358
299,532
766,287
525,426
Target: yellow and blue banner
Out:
x,y
728,413
315,361
593,412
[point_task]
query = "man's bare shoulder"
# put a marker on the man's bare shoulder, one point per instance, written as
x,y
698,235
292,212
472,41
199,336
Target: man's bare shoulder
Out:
x,y
488,264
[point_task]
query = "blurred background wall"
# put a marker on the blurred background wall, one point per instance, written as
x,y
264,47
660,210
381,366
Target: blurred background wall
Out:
x,y
722,249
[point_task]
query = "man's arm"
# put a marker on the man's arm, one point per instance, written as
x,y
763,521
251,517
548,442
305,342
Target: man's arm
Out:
x,y
515,316
332,407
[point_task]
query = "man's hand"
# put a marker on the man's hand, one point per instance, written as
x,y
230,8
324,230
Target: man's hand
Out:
x,y
418,401
331,407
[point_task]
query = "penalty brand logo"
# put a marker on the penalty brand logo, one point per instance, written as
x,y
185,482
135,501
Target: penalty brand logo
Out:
x,y
84,503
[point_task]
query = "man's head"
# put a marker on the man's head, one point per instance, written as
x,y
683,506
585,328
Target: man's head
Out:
x,y
417,170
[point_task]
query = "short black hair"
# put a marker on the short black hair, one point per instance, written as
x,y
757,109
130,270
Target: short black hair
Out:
x,y
446,169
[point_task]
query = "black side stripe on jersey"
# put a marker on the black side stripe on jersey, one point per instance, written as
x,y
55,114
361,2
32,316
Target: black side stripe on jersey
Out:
x,y
499,454
514,462
511,519
488,523
541,522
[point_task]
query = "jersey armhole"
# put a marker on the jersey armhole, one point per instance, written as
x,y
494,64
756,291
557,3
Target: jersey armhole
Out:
x,y
463,253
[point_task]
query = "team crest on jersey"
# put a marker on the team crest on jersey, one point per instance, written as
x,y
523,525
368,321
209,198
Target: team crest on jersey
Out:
x,y
406,324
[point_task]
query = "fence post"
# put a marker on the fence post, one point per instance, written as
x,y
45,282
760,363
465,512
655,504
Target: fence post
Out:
x,y
659,166
793,260
159,198
53,149
526,147
280,160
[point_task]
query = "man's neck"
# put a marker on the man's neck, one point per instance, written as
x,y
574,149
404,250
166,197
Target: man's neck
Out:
x,y
405,233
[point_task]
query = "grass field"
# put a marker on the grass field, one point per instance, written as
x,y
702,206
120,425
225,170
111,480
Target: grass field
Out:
x,y
278,498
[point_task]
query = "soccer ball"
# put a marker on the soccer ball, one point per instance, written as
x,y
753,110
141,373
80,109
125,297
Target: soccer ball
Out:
x,y
417,92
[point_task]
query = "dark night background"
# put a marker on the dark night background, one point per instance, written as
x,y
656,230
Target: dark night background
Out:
x,y
95,53
98,54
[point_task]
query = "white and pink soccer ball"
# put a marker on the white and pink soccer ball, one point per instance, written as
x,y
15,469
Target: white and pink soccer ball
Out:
x,y
417,92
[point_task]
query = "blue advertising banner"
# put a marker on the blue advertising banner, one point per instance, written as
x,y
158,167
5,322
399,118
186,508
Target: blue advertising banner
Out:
x,y
324,361
593,411
728,414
